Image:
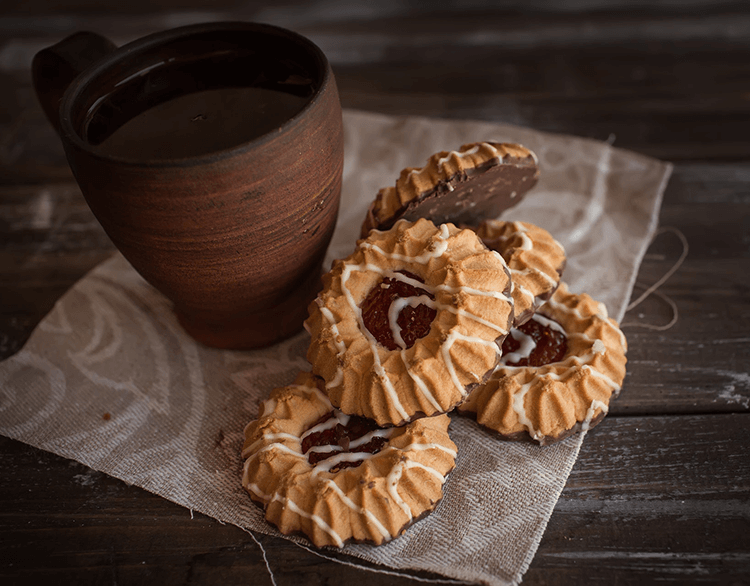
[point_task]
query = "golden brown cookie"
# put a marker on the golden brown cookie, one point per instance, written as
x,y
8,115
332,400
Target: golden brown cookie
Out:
x,y
337,478
557,374
410,322
480,180
535,259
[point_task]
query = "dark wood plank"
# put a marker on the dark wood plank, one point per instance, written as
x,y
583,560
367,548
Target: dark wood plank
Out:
x,y
62,522
50,240
660,499
660,491
664,86
699,366
645,499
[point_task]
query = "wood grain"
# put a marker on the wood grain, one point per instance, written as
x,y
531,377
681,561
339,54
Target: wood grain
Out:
x,y
659,513
661,490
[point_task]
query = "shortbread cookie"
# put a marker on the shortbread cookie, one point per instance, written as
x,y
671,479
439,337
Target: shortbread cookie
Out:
x,y
410,322
480,180
535,259
337,478
557,374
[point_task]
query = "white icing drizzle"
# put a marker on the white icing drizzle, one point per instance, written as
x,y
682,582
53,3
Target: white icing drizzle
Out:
x,y
413,464
472,291
316,392
518,399
527,345
325,449
437,247
287,502
274,446
549,323
561,307
461,155
446,348
423,173
391,484
397,305
400,303
518,274
417,447
361,510
598,348
420,384
329,463
394,476
268,436
520,230
586,424
377,366
269,405
520,408
525,291
338,417
392,479
532,271
371,435
602,376
338,342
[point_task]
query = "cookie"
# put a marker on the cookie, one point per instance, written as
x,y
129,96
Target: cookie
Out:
x,y
480,180
410,322
337,478
535,259
557,374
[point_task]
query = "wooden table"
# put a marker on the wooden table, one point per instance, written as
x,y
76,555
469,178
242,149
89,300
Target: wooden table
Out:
x,y
661,491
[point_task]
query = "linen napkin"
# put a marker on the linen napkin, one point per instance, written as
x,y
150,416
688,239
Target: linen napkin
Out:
x,y
109,379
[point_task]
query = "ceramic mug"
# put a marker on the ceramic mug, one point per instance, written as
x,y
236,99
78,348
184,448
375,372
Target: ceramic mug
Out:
x,y
212,156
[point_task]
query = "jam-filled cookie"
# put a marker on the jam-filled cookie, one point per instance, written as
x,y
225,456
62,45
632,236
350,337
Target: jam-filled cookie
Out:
x,y
410,322
535,259
557,374
480,180
338,478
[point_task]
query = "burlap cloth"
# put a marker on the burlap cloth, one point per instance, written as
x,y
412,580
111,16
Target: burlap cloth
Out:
x,y
109,379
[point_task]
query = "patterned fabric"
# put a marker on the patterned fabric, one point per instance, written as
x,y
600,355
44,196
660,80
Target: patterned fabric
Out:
x,y
109,378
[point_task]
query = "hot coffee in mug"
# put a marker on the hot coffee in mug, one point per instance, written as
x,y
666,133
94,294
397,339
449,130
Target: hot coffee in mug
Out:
x,y
212,156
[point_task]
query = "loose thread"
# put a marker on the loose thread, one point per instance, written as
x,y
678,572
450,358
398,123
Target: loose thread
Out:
x,y
378,570
265,557
652,289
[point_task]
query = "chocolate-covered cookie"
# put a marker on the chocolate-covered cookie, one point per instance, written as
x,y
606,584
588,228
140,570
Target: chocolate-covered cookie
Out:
x,y
478,181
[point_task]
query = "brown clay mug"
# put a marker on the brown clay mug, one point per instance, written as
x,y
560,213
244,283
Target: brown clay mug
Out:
x,y
212,156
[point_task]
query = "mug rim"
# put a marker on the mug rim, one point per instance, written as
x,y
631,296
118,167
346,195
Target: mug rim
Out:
x,y
141,46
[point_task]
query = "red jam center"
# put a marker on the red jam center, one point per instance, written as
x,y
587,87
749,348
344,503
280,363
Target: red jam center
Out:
x,y
341,436
550,344
414,321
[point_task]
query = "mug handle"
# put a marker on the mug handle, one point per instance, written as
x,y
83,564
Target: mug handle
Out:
x,y
54,68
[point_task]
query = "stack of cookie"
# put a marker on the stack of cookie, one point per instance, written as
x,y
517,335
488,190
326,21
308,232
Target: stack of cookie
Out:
x,y
438,309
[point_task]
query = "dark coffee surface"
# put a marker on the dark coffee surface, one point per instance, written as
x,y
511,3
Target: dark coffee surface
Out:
x,y
202,122
195,96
